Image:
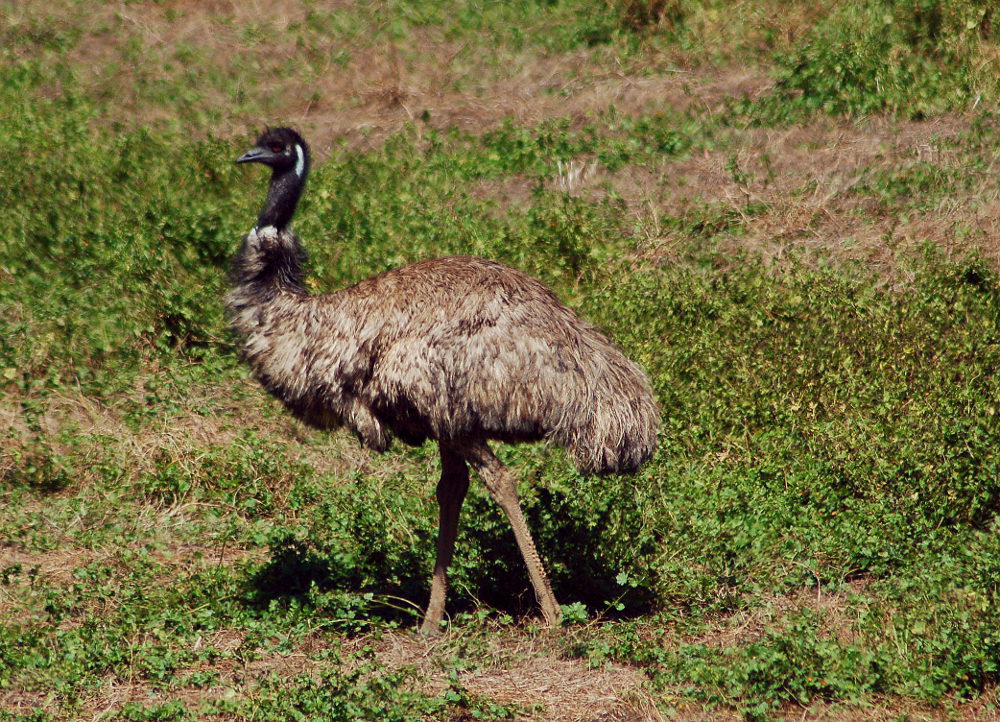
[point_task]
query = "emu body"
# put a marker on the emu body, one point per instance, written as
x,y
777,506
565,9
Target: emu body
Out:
x,y
460,350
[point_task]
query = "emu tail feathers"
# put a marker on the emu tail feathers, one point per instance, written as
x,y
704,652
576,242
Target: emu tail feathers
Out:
x,y
618,431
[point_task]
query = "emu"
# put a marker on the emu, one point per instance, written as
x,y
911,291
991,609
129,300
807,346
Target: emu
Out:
x,y
461,350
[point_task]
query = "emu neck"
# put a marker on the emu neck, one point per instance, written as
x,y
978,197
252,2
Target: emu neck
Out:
x,y
271,259
282,198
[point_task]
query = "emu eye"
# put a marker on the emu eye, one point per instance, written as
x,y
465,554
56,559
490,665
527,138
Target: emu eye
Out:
x,y
277,147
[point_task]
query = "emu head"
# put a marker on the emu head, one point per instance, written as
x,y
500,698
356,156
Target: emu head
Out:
x,y
281,148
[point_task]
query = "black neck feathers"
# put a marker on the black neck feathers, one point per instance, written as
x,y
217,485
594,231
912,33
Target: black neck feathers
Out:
x,y
282,198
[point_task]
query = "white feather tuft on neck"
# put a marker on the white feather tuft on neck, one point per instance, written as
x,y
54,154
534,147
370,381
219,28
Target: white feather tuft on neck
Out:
x,y
300,161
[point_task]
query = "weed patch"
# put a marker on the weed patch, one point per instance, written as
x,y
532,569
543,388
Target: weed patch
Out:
x,y
818,526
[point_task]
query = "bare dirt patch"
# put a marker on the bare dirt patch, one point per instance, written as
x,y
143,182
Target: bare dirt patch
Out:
x,y
802,192
983,709
748,626
514,667
356,84
808,180
97,434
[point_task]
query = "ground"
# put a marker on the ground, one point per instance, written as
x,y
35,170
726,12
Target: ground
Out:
x,y
814,193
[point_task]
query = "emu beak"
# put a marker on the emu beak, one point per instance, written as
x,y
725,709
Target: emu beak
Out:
x,y
253,155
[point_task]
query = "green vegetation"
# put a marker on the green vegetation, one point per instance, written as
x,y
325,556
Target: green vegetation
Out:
x,y
820,525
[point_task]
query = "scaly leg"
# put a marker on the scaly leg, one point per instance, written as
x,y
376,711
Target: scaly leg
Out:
x,y
500,482
450,495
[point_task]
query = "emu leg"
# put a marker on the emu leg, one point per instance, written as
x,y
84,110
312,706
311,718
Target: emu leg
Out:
x,y
450,495
500,482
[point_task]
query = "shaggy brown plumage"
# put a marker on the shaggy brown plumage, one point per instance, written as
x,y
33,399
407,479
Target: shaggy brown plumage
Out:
x,y
461,350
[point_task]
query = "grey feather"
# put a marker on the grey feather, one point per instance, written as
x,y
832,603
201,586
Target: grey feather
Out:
x,y
449,349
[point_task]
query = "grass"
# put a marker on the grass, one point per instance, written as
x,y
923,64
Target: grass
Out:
x,y
800,254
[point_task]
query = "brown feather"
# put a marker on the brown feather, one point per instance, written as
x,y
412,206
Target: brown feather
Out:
x,y
451,349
